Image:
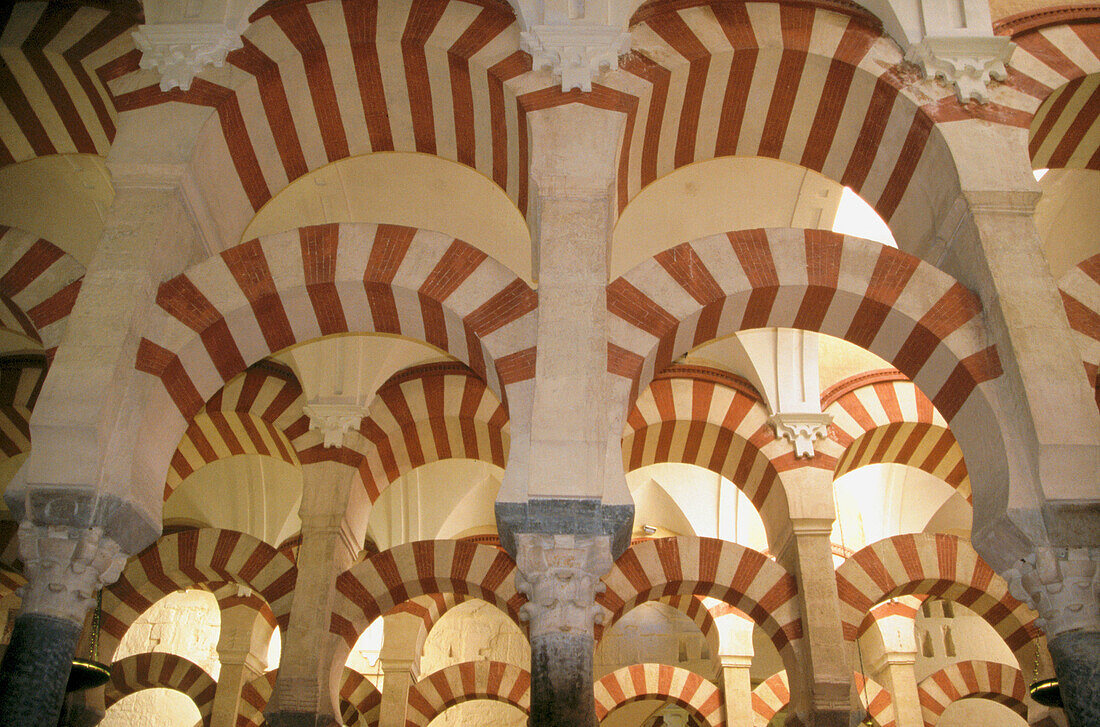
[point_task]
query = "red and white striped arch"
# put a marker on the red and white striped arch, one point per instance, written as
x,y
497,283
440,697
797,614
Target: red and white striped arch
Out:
x,y
429,608
1080,289
745,579
321,81
971,679
190,559
464,682
425,414
39,283
360,700
774,694
942,566
254,697
1052,64
660,681
262,296
883,417
806,85
21,379
160,670
51,93
373,587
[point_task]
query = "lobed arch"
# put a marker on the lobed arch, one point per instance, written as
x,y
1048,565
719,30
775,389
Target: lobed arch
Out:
x,y
969,680
882,417
818,87
1080,290
231,310
162,670
59,113
741,577
942,566
647,681
195,558
498,681
904,310
39,283
773,695
425,414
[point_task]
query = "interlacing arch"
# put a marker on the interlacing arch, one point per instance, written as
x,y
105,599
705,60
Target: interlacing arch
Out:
x,y
166,671
904,310
660,681
758,587
425,414
190,559
257,298
704,417
39,283
971,679
68,112
464,682
1080,289
942,566
253,414
774,694
882,417
373,587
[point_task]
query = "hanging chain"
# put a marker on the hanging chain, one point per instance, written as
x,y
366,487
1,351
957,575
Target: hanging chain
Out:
x,y
94,649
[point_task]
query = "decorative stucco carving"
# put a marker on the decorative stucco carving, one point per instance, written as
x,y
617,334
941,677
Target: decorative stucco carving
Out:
x,y
179,51
1063,585
801,429
65,567
969,63
334,420
560,575
574,52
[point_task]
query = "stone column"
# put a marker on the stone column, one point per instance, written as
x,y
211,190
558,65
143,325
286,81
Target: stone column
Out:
x,y
65,567
737,689
304,690
1063,585
560,575
400,659
898,676
826,676
242,650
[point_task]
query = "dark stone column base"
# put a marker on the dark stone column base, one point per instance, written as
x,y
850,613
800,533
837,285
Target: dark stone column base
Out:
x,y
561,681
300,719
1076,657
35,670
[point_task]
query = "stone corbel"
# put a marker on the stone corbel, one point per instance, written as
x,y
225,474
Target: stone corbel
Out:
x,y
560,575
969,63
1063,585
65,567
179,51
574,52
801,429
334,420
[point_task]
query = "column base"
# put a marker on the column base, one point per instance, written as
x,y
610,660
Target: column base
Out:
x,y
561,681
1076,657
35,670
300,719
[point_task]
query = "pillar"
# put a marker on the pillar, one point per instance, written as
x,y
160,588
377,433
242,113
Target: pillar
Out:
x,y
65,567
242,650
400,661
735,654
1063,585
560,575
304,689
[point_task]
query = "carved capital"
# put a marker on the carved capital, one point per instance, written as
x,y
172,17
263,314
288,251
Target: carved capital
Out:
x,y
969,63
334,420
560,575
65,567
1063,585
576,53
179,51
801,429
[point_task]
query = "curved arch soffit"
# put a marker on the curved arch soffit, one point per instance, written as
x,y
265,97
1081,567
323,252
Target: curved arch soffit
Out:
x,y
656,681
498,681
159,670
1001,683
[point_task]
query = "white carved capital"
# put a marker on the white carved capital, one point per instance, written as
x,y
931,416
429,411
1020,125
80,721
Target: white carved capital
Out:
x,y
65,567
334,420
969,63
801,429
560,575
1063,585
179,51
576,53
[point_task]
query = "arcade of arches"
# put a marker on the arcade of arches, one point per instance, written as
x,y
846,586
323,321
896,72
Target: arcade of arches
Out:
x,y
553,362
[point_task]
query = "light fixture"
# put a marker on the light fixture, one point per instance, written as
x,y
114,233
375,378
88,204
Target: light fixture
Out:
x,y
90,673
1047,693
